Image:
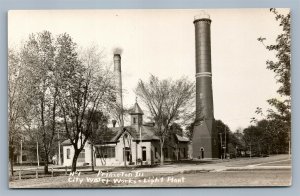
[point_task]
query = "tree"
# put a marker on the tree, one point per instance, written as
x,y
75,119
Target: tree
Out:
x,y
98,127
16,103
86,88
176,129
281,66
253,137
223,133
168,101
190,130
272,136
38,56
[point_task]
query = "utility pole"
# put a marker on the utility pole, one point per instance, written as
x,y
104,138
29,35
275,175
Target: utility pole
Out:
x,y
21,154
250,150
141,145
59,160
225,145
92,152
221,145
289,144
37,153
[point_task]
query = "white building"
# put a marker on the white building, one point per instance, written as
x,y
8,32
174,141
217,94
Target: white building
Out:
x,y
134,144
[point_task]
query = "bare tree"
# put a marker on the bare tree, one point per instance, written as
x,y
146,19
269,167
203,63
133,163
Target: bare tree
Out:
x,y
168,101
87,87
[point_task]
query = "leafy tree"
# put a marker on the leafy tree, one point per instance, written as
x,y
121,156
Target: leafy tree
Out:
x,y
253,137
281,66
226,138
267,137
168,101
16,103
38,55
223,133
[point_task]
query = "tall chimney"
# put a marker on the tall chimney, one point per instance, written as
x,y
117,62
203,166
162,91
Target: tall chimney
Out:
x,y
204,135
118,82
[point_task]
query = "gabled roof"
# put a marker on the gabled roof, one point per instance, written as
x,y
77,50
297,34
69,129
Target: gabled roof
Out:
x,y
147,133
136,109
66,143
112,135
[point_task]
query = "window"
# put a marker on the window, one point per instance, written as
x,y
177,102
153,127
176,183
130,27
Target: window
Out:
x,y
144,153
134,120
184,153
127,154
105,152
24,158
110,152
155,153
68,153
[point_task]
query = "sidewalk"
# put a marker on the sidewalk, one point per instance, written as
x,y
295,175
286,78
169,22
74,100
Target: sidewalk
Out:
x,y
199,165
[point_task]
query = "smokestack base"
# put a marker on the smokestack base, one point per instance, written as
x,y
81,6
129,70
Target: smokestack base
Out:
x,y
204,142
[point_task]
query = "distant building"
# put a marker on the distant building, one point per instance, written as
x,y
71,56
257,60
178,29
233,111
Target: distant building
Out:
x,y
134,144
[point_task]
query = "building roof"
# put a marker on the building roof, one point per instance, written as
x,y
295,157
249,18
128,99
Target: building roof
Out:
x,y
112,135
147,133
136,109
66,143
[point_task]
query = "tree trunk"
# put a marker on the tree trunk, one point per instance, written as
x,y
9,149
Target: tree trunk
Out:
x,y
11,158
161,155
46,169
74,161
92,156
124,152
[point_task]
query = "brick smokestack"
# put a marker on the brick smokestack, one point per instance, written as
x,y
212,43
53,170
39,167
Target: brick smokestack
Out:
x,y
118,82
204,135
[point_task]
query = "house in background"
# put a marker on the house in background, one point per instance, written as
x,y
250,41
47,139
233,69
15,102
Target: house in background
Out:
x,y
134,144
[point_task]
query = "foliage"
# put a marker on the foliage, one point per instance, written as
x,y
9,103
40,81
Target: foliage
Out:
x,y
266,137
168,101
228,139
86,88
279,116
16,103
38,58
51,85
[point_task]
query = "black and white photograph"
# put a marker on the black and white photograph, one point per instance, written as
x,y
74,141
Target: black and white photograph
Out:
x,y
117,98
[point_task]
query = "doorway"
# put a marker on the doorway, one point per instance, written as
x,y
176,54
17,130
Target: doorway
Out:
x,y
202,152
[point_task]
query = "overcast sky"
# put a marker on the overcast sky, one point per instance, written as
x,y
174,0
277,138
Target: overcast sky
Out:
x,y
162,42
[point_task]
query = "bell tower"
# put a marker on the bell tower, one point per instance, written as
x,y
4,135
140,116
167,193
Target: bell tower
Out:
x,y
136,114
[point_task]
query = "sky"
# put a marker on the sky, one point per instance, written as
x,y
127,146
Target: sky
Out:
x,y
162,43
